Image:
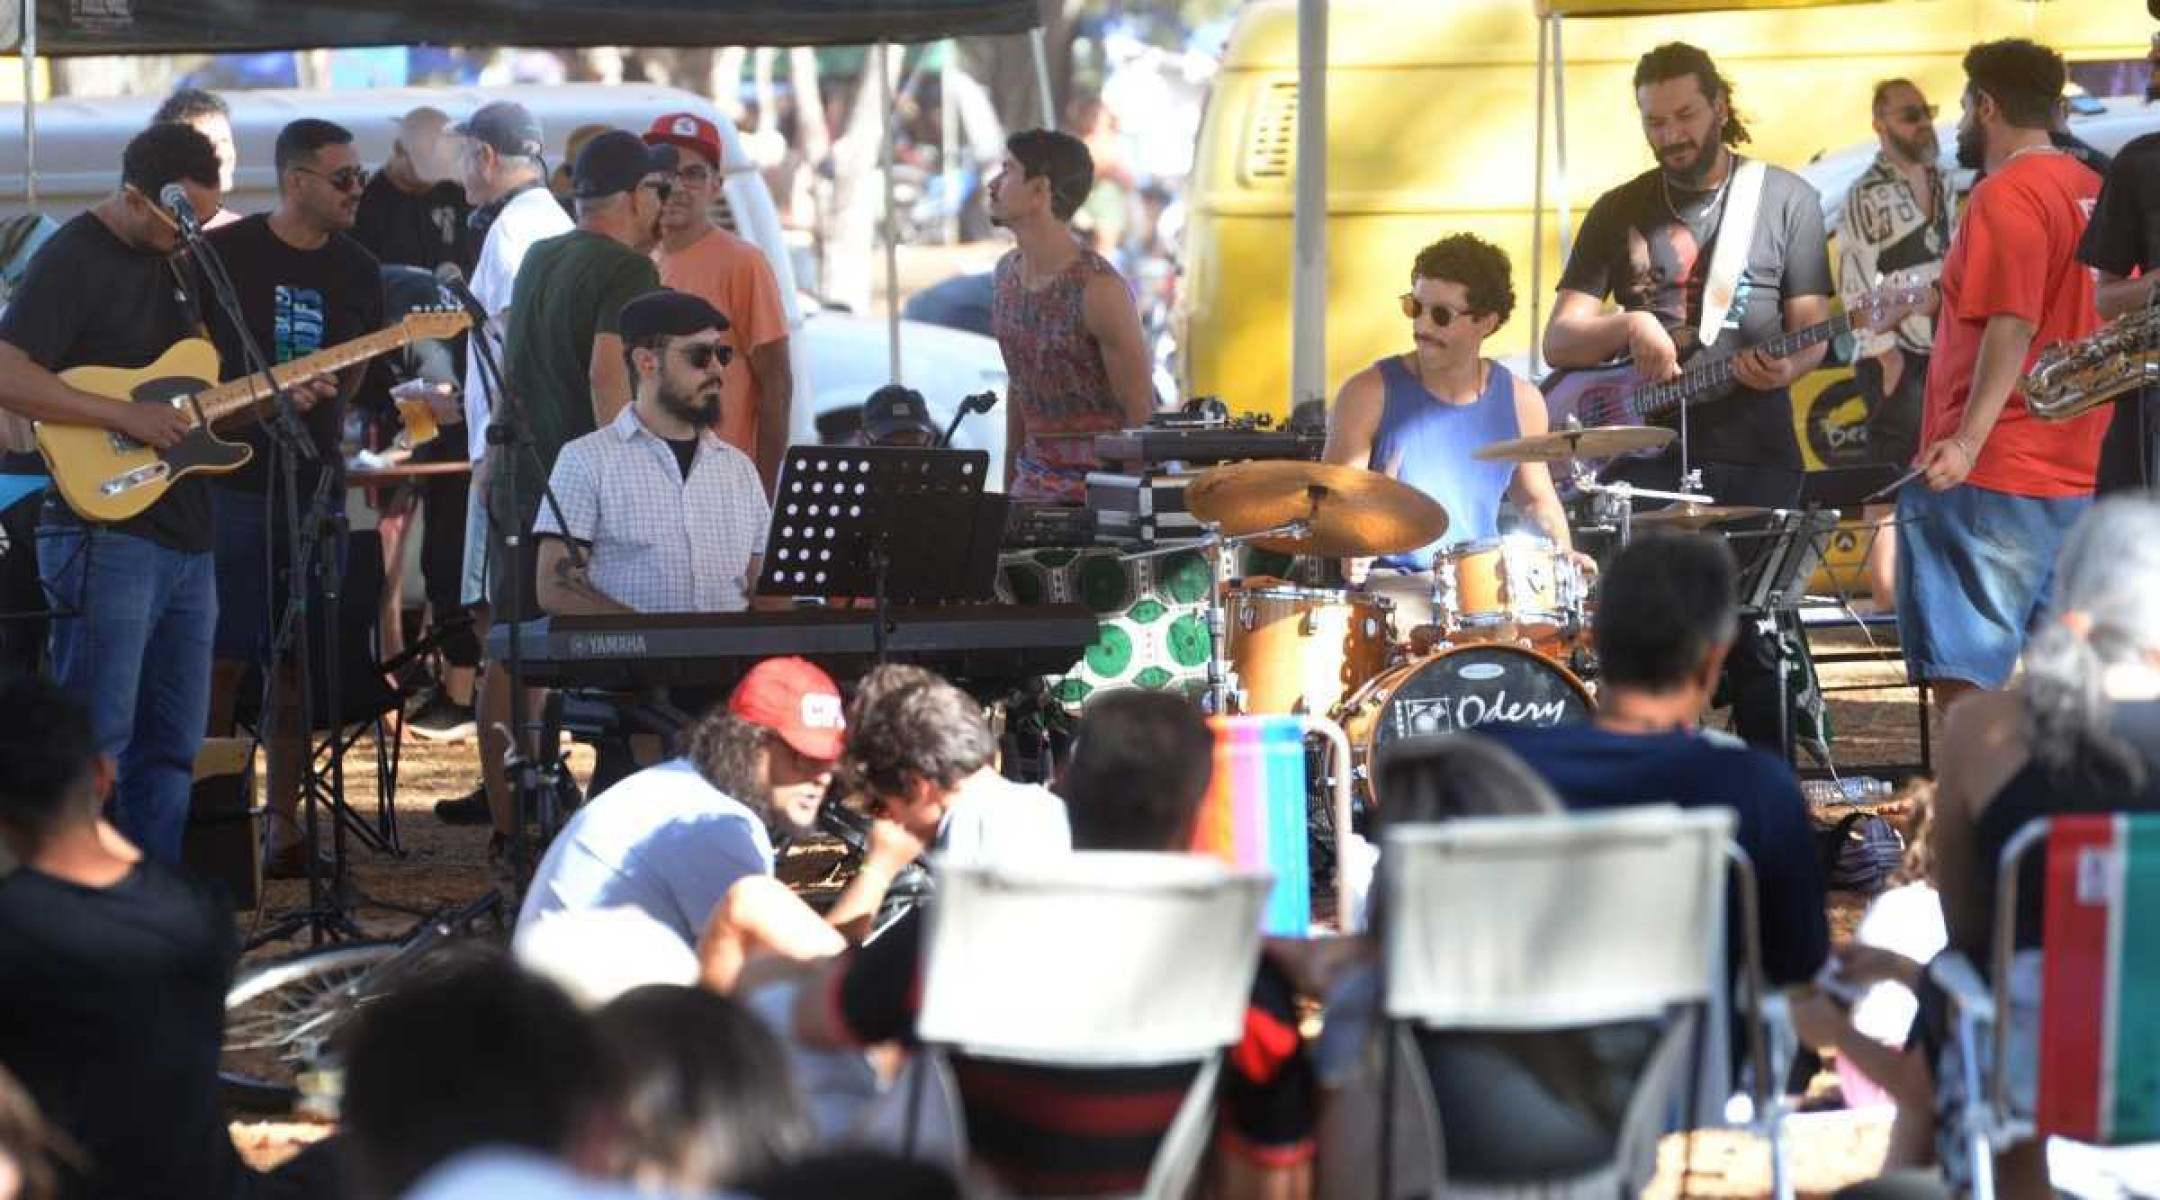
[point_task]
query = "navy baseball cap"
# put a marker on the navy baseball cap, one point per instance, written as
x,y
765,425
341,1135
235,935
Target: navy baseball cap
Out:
x,y
895,409
666,313
505,125
616,162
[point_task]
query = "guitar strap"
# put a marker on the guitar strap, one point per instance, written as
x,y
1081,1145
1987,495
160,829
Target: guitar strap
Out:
x,y
1736,232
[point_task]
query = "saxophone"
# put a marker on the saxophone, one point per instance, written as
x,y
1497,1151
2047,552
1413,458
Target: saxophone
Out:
x,y
2071,378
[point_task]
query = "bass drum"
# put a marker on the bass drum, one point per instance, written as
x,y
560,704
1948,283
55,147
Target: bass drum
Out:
x,y
1459,688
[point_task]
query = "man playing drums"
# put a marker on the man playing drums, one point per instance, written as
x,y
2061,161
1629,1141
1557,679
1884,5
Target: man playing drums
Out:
x,y
1419,417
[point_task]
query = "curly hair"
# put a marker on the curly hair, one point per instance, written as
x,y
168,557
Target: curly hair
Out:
x,y
1479,266
1675,59
725,750
929,730
2025,78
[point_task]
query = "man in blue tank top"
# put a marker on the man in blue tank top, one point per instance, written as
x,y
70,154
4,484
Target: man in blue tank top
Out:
x,y
1418,417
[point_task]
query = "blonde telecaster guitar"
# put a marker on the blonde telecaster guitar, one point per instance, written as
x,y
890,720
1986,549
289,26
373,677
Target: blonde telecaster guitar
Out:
x,y
108,476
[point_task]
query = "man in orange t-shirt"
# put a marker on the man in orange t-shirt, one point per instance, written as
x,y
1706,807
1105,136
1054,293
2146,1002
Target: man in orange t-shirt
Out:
x,y
699,257
1978,540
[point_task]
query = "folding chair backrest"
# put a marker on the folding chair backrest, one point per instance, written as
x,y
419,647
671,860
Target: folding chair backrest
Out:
x,y
1091,959
2100,979
1254,816
1553,921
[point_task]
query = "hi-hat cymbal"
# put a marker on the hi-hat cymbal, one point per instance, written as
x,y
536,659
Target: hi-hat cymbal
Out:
x,y
1561,445
1353,512
1699,516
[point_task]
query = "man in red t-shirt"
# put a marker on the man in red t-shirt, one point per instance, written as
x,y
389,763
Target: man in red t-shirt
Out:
x,y
2002,488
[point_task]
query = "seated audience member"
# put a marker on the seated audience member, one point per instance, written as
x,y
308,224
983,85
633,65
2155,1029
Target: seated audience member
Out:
x,y
921,757
897,416
865,1174
1516,1109
1666,617
113,971
707,1100
671,839
2080,733
1139,771
473,1055
669,517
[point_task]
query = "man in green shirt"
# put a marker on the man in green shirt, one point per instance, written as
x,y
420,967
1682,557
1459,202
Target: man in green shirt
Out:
x,y
563,355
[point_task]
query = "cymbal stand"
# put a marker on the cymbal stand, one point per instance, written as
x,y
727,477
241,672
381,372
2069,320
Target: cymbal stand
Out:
x,y
1212,543
1618,498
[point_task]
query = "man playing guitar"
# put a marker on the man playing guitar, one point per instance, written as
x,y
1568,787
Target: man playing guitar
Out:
x,y
1649,244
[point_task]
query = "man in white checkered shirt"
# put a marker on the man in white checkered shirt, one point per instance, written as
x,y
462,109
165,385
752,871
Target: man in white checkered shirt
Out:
x,y
673,517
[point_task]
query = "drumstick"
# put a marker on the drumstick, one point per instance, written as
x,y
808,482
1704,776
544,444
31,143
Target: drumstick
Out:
x,y
1895,484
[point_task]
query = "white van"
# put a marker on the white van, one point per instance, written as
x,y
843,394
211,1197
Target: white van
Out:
x,y
78,163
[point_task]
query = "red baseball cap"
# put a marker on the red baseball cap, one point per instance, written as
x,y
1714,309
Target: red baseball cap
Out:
x,y
689,131
795,699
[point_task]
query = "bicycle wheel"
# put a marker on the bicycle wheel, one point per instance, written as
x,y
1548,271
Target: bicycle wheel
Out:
x,y
278,1016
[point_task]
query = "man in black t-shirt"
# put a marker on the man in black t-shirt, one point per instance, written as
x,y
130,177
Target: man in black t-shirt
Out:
x,y
134,600
1648,245
2122,243
413,213
113,971
303,285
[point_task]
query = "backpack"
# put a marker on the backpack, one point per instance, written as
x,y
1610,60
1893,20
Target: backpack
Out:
x,y
1859,853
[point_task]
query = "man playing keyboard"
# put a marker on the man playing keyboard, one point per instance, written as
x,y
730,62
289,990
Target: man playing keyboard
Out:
x,y
664,515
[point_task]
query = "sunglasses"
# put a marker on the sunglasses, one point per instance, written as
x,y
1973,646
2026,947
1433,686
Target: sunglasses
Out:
x,y
344,179
1442,315
660,187
705,354
1916,112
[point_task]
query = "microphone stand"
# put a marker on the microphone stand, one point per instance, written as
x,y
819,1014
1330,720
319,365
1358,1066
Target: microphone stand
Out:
x,y
323,917
980,402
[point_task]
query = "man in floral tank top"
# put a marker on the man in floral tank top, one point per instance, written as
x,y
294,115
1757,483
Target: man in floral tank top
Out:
x,y
1066,321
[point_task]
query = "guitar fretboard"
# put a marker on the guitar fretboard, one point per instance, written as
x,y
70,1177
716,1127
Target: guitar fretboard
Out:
x,y
235,396
1715,376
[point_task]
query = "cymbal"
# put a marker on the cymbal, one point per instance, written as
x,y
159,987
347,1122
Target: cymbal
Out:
x,y
1699,516
1353,512
1560,445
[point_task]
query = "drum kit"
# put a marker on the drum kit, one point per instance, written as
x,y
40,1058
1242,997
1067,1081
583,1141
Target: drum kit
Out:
x,y
1508,639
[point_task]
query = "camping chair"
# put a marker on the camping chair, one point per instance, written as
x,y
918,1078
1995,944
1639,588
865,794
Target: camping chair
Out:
x,y
1258,814
1087,961
1608,917
2097,1050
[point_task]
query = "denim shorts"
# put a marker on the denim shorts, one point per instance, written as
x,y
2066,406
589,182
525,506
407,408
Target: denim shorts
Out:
x,y
1975,569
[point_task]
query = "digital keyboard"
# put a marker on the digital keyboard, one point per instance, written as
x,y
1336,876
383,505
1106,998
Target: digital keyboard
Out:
x,y
1131,449
984,645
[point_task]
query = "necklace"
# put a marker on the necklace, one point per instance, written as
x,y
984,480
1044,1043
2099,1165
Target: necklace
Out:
x,y
2041,148
1716,201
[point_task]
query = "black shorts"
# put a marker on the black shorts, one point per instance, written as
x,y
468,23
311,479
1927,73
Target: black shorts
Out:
x,y
1893,421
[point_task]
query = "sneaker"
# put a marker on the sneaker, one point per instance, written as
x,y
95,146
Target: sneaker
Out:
x,y
442,719
468,809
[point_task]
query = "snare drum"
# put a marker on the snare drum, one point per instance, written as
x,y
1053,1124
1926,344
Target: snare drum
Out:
x,y
1301,650
1456,689
1511,587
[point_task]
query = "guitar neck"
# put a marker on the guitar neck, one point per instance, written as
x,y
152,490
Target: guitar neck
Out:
x,y
235,396
1715,376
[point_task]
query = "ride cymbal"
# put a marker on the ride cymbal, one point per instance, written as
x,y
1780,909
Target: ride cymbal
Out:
x,y
1353,513
1605,441
1699,516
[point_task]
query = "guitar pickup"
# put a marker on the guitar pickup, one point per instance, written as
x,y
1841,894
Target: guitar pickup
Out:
x,y
129,481
123,444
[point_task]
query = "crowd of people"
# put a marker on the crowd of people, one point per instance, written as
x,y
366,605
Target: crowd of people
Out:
x,y
672,1018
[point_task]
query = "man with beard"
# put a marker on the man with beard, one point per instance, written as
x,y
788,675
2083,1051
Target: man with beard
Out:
x,y
664,515
1065,320
1419,417
699,257
1896,219
2003,487
1650,245
303,285
673,838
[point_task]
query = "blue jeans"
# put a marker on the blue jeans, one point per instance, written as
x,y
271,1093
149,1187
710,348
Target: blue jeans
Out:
x,y
1975,570
134,648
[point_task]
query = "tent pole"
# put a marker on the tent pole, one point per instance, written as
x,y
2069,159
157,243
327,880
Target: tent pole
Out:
x,y
1559,106
1308,268
948,136
892,239
29,107
1537,210
1042,77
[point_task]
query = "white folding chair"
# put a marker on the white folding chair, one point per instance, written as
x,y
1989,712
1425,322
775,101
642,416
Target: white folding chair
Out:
x,y
1549,923
1091,960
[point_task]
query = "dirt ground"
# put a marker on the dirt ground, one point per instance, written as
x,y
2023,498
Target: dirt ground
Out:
x,y
443,865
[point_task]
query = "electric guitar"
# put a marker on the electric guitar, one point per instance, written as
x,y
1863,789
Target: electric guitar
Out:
x,y
108,476
1616,395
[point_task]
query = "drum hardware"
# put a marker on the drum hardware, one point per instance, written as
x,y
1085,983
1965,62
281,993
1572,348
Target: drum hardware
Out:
x,y
1614,502
1221,687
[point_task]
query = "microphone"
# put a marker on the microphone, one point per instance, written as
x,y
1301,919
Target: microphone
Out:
x,y
174,199
452,280
983,402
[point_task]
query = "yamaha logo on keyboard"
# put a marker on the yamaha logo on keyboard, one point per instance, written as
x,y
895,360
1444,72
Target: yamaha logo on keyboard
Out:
x,y
607,645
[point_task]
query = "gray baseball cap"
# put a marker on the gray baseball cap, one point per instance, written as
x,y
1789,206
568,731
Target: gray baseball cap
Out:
x,y
505,125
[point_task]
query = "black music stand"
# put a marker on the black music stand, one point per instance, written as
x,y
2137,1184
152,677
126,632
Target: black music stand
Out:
x,y
1773,586
892,523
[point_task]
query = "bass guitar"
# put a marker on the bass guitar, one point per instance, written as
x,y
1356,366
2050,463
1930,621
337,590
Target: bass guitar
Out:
x,y
1616,395
109,476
